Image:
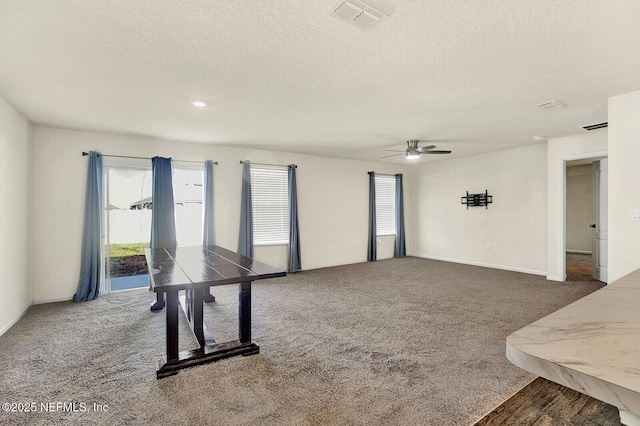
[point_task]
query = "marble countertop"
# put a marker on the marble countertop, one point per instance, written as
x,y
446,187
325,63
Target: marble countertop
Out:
x,y
591,345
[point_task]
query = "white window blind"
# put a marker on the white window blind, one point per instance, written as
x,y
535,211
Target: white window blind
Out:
x,y
385,205
270,200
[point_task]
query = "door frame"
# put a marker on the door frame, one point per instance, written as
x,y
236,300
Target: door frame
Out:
x,y
597,216
562,211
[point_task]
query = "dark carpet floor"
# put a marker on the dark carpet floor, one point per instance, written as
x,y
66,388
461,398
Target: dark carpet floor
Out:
x,y
395,342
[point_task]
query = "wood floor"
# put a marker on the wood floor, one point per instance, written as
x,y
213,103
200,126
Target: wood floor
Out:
x,y
579,267
544,403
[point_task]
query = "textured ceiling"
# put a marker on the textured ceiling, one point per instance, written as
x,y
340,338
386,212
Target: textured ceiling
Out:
x,y
286,75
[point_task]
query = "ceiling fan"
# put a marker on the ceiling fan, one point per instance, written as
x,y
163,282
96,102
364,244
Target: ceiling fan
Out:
x,y
413,151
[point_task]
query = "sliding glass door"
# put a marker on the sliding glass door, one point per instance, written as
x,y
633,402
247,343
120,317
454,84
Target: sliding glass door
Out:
x,y
128,207
128,217
188,194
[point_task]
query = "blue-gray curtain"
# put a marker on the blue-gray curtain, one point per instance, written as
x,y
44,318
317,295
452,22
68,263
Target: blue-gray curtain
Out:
x,y
294,233
372,252
91,256
208,230
245,240
400,249
163,220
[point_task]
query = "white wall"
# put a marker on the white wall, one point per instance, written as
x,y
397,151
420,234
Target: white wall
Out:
x,y
16,151
516,221
624,184
559,150
332,201
579,208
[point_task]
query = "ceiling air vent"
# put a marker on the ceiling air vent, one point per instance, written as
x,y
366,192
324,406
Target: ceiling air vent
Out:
x,y
550,105
596,126
357,14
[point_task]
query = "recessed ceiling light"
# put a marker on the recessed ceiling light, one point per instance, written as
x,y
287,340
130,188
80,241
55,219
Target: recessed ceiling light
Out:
x,y
199,104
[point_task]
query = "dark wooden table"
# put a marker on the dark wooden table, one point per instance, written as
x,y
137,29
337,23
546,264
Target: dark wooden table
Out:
x,y
184,275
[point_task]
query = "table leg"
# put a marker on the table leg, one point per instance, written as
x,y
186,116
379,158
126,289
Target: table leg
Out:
x,y
209,350
188,305
244,312
197,321
172,325
208,297
159,303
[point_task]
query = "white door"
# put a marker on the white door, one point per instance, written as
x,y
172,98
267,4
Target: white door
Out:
x,y
600,219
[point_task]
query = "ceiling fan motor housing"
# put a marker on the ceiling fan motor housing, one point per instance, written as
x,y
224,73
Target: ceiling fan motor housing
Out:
x,y
412,149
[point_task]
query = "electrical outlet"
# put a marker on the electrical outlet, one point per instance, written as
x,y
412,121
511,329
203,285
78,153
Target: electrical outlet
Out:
x,y
495,246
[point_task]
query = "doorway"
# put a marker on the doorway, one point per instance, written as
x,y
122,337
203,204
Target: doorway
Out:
x,y
128,205
128,226
585,221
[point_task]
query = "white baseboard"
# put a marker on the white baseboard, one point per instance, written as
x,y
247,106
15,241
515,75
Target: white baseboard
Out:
x,y
484,265
15,320
322,266
579,251
58,299
554,278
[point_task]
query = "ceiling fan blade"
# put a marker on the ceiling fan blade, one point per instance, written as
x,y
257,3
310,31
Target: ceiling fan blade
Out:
x,y
392,155
436,152
394,150
426,148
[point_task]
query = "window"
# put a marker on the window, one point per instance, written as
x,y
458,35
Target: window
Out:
x,y
270,200
385,205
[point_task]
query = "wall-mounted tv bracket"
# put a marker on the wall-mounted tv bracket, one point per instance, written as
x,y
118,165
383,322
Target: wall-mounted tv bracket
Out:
x,y
477,200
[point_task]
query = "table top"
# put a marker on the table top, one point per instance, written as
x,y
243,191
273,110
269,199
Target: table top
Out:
x,y
198,266
591,345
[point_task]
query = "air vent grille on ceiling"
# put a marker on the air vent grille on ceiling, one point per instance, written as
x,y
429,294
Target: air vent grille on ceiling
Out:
x,y
550,105
357,14
597,126
347,10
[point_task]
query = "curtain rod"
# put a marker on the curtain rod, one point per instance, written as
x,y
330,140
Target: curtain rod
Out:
x,y
385,174
145,158
267,164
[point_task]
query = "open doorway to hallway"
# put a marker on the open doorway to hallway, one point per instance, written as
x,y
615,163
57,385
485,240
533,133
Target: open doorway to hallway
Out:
x,y
586,219
579,267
